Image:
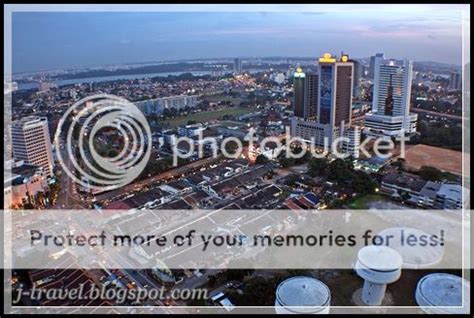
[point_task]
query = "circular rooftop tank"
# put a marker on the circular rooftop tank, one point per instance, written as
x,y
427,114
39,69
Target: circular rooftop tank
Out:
x,y
442,293
413,256
301,294
379,264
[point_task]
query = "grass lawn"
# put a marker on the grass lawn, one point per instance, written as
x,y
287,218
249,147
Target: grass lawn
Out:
x,y
361,203
206,116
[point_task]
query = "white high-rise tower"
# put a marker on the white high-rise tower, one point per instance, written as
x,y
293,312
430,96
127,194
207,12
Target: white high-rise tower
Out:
x,y
390,114
31,142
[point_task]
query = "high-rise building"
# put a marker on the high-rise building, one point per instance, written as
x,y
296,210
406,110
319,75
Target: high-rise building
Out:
x,y
237,66
391,100
31,142
335,87
306,94
299,93
375,61
455,81
351,143
333,98
358,73
311,95
399,77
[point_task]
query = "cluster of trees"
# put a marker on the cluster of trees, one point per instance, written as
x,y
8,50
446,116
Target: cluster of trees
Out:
x,y
343,173
430,173
260,291
54,190
42,199
286,162
433,174
261,159
438,135
155,167
149,69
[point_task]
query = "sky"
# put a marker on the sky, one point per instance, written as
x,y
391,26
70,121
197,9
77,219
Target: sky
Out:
x,y
55,40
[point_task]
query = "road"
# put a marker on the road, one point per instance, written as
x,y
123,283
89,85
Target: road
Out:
x,y
429,112
68,198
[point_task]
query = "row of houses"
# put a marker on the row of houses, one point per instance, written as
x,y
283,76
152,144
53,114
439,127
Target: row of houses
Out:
x,y
66,274
269,196
426,194
234,186
302,201
194,191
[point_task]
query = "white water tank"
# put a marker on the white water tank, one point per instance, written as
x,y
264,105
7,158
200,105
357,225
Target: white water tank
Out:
x,y
302,295
442,293
414,257
378,266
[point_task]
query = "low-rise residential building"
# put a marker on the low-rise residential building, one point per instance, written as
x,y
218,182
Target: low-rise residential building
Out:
x,y
426,194
451,197
158,105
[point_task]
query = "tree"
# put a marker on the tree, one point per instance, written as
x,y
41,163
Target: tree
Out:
x,y
231,147
318,167
430,173
166,112
28,206
286,162
257,292
362,183
237,274
261,159
400,164
40,197
212,280
340,171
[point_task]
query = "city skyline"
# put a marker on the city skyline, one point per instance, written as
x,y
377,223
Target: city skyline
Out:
x,y
84,39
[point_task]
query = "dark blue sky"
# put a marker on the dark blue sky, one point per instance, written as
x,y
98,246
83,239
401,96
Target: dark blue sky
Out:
x,y
50,40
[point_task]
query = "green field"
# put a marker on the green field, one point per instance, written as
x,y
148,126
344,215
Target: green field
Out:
x,y
206,116
361,203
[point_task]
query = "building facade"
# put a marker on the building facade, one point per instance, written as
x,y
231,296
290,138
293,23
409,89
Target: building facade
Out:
x,y
455,81
351,143
390,115
374,62
299,80
158,105
23,185
358,73
332,96
32,144
237,66
311,95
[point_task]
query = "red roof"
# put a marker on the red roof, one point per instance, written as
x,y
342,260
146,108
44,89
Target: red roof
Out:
x,y
293,206
119,205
